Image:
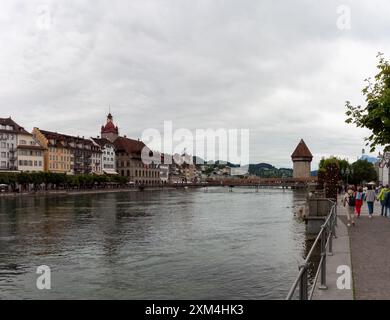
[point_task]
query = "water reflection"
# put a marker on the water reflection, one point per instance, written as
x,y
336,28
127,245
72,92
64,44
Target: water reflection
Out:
x,y
180,244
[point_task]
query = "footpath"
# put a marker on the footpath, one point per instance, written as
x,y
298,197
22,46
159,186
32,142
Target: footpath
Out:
x,y
370,254
365,248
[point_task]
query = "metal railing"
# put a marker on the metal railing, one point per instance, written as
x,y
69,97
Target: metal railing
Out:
x,y
325,240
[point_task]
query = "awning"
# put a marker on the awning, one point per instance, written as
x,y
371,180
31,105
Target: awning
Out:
x,y
110,171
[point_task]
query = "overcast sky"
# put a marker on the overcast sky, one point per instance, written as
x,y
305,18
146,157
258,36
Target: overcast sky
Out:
x,y
282,69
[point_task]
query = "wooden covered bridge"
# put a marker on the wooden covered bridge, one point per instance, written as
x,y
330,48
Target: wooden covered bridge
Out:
x,y
293,183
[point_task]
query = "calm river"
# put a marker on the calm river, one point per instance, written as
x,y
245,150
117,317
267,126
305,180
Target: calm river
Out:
x,y
186,244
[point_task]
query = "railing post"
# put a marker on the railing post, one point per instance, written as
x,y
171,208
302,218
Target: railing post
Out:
x,y
332,230
330,250
303,285
334,224
323,259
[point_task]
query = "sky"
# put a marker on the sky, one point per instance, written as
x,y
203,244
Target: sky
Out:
x,y
281,69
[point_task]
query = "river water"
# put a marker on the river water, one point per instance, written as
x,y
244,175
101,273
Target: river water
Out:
x,y
171,244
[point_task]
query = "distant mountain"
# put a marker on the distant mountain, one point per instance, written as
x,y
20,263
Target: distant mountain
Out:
x,y
266,170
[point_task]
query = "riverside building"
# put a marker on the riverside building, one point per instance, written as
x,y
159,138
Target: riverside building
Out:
x,y
69,154
19,151
128,152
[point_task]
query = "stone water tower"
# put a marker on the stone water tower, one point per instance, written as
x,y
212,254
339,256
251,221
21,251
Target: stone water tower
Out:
x,y
302,158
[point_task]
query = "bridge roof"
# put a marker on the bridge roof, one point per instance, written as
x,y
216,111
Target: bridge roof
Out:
x,y
302,151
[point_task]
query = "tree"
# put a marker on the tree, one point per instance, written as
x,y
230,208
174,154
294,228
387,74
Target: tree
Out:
x,y
363,171
344,167
375,116
329,175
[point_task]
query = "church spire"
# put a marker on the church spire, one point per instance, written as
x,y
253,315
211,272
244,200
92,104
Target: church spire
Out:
x,y
109,116
109,131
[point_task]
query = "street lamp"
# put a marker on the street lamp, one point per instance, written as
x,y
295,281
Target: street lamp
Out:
x,y
347,172
384,160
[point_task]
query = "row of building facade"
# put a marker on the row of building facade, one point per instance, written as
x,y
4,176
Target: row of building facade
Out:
x,y
109,153
383,170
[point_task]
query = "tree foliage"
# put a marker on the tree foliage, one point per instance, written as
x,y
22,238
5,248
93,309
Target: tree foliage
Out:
x,y
329,174
55,180
355,173
343,166
363,171
375,116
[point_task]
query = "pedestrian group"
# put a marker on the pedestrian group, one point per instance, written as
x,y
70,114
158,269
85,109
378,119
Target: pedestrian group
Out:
x,y
355,196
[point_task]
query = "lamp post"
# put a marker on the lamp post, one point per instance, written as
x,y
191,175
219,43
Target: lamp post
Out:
x,y
347,171
384,160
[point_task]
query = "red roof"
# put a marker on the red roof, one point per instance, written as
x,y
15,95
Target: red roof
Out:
x,y
109,127
63,140
129,146
102,141
16,128
302,151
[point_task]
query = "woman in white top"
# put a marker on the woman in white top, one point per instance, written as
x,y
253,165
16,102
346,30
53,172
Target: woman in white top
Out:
x,y
370,198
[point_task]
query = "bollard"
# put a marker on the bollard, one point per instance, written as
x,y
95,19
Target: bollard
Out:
x,y
323,257
303,286
330,251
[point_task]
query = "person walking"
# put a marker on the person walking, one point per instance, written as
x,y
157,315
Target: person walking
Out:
x,y
370,198
387,203
349,203
381,198
358,201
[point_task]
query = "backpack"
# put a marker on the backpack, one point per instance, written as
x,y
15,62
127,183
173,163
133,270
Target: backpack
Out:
x,y
351,200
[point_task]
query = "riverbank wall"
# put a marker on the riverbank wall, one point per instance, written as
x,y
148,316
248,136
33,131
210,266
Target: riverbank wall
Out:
x,y
87,191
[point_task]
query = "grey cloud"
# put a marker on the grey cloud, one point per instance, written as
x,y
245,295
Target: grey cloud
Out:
x,y
281,69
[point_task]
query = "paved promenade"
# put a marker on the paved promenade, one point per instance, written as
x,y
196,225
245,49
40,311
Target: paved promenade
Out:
x,y
341,257
370,254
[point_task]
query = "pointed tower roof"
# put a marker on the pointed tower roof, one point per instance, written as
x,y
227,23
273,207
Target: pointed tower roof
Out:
x,y
302,151
109,127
